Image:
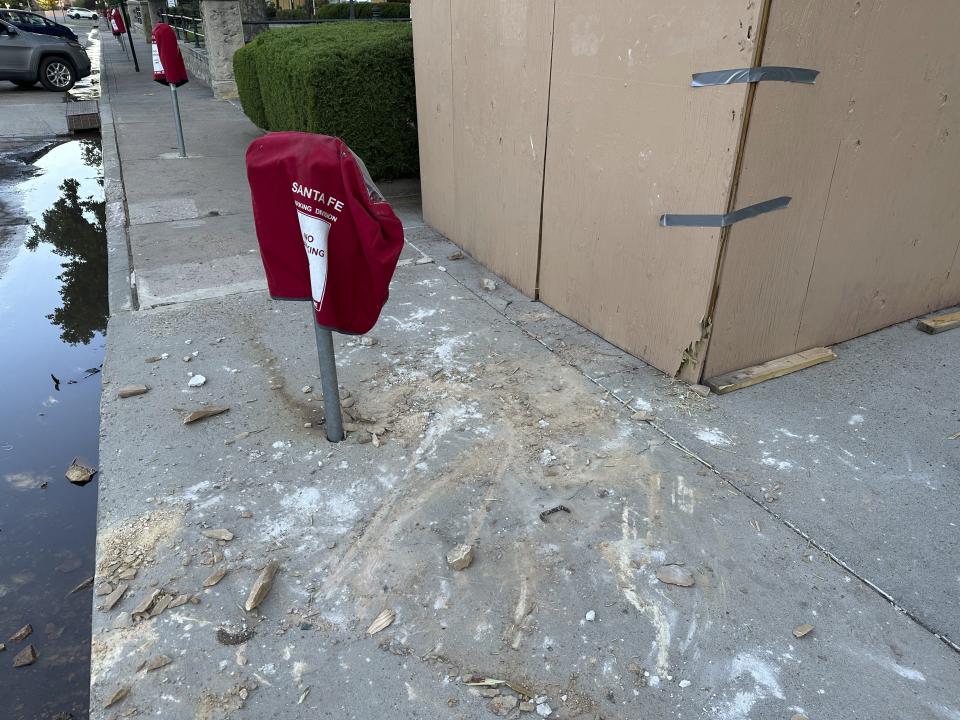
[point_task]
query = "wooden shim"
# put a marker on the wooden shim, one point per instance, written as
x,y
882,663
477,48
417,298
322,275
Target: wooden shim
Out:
x,y
940,323
769,370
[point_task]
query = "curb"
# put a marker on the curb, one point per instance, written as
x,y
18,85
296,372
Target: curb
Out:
x,y
121,282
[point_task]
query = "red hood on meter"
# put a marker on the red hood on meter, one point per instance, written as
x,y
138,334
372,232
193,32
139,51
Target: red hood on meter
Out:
x,y
168,67
325,231
116,22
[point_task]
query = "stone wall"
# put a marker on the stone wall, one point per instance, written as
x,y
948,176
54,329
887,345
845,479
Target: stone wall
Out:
x,y
196,61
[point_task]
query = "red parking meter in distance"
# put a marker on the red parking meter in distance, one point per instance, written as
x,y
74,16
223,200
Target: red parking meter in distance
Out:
x,y
117,26
168,67
325,232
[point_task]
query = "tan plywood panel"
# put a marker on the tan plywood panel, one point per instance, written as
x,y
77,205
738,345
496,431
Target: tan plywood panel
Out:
x,y
501,69
871,155
629,139
434,77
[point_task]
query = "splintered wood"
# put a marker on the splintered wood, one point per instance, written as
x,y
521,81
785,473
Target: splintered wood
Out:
x,y
769,370
939,323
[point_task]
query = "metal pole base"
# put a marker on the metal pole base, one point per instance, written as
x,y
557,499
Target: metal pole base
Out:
x,y
176,116
333,415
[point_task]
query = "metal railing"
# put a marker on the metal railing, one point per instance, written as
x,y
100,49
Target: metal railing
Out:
x,y
188,28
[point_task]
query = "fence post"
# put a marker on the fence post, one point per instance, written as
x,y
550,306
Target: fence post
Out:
x,y
223,36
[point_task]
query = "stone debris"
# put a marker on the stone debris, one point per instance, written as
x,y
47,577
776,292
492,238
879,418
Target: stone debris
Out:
x,y
502,705
127,573
215,577
590,616
79,474
684,683
802,630
526,707
367,341
178,601
196,381
306,389
204,413
218,534
489,692
155,358
21,634
382,621
675,575
118,697
142,611
460,557
644,416
455,255
246,514
227,637
129,391
187,358
488,285
544,710
261,586
27,656
156,663
110,601
162,603
423,261
122,620
701,390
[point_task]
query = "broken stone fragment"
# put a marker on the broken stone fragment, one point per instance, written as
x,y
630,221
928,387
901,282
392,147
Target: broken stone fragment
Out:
x,y
526,707
206,412
675,575
261,586
644,416
218,534
701,390
367,341
196,381
455,255
129,391
79,474
306,389
142,610
162,603
215,577
113,598
460,557
178,601
502,705
21,634
119,696
27,656
103,589
127,573
544,710
488,284
156,663
802,630
489,692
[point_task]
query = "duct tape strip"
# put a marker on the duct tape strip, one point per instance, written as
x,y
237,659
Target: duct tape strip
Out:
x,y
755,74
720,221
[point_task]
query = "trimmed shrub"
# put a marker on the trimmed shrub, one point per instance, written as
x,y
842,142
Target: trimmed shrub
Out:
x,y
350,80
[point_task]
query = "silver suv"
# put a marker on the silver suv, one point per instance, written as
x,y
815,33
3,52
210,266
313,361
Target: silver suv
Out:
x,y
27,58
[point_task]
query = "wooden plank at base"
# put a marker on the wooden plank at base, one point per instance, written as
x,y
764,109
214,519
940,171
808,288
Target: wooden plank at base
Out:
x,y
769,370
83,115
940,323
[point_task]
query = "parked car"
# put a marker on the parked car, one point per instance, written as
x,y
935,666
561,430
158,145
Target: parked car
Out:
x,y
31,22
80,13
27,58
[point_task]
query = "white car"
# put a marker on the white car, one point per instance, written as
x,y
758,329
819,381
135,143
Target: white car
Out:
x,y
78,12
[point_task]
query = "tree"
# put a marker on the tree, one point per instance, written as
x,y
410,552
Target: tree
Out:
x,y
75,228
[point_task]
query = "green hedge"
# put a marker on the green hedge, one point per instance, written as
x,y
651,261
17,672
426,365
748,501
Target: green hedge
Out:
x,y
351,80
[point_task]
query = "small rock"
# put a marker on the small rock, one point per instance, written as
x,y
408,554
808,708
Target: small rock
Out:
x,y
675,575
644,416
127,574
205,412
460,557
156,663
368,341
802,630
197,381
526,707
153,359
79,474
119,696
701,390
489,692
308,424
590,616
684,683
187,358
455,255
488,285
348,402
178,601
215,577
103,589
424,261
503,704
306,389
544,710
246,514
218,534
128,391
27,656
261,586
21,634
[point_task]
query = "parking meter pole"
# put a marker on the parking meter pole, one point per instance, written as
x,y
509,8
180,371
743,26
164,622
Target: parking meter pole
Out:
x,y
333,416
126,22
176,117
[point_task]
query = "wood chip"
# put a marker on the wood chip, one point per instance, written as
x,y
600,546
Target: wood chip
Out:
x,y
113,598
79,474
156,663
675,575
27,656
261,586
21,634
119,696
802,630
129,391
382,621
218,534
215,577
204,413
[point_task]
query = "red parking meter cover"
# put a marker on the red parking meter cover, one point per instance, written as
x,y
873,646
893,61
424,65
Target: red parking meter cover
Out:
x,y
116,22
171,70
325,232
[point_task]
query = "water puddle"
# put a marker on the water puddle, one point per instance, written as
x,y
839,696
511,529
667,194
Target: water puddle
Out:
x,y
53,316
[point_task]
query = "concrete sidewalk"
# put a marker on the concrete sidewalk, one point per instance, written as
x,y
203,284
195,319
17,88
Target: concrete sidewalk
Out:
x,y
472,413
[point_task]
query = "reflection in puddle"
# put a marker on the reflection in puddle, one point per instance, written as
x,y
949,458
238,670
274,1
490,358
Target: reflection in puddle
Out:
x,y
53,309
